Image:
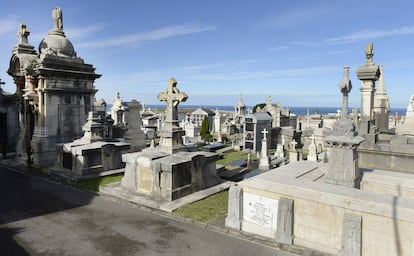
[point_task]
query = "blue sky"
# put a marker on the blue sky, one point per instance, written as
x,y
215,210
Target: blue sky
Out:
x,y
290,50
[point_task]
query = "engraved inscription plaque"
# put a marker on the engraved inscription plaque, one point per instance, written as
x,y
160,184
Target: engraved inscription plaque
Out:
x,y
260,210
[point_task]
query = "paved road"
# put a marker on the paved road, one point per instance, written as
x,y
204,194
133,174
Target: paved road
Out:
x,y
38,217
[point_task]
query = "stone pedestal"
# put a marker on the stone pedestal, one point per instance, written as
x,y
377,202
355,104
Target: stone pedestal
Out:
x,y
171,141
343,160
134,135
169,177
264,163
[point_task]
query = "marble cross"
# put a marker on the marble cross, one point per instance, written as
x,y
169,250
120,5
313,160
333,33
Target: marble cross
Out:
x,y
172,96
294,143
265,132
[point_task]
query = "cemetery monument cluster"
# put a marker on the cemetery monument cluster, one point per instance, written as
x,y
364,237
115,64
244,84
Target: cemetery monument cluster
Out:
x,y
335,206
358,169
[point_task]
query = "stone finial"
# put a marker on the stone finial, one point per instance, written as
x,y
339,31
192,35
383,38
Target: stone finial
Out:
x,y
345,85
172,96
23,34
57,16
369,53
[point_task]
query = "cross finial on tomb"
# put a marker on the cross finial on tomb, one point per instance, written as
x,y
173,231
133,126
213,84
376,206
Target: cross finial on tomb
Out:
x,y
269,100
265,132
293,143
172,96
23,34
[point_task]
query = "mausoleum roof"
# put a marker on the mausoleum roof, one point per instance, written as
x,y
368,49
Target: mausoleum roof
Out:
x,y
56,43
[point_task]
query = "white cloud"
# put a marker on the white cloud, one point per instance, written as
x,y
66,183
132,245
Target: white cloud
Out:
x,y
280,73
83,31
158,34
287,18
278,48
371,34
8,25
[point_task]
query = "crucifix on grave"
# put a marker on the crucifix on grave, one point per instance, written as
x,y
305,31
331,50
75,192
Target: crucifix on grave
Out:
x,y
293,143
23,34
264,163
171,134
172,96
293,153
265,132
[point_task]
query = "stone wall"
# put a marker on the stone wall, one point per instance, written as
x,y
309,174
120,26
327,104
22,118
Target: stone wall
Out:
x,y
319,220
394,157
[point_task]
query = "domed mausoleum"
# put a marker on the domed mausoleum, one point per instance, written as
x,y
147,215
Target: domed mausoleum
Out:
x,y
55,89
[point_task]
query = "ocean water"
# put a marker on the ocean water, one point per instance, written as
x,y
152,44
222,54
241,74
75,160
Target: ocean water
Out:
x,y
300,111
295,110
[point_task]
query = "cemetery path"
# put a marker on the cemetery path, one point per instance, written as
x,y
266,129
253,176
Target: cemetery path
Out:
x,y
38,217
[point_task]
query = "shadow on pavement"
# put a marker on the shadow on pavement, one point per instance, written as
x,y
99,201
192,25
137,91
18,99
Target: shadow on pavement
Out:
x,y
23,196
8,245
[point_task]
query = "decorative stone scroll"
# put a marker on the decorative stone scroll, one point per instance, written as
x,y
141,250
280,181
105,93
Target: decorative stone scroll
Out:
x,y
284,231
234,212
351,235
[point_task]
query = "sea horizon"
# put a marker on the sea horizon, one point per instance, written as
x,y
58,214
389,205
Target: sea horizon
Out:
x,y
297,110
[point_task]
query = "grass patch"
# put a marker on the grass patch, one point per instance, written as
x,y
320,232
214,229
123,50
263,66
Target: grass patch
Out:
x,y
95,183
206,210
232,155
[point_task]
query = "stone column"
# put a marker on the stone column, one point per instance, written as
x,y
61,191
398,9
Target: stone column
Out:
x,y
368,74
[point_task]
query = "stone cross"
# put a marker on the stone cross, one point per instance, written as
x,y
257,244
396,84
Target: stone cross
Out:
x,y
23,34
269,100
265,132
172,96
345,87
293,143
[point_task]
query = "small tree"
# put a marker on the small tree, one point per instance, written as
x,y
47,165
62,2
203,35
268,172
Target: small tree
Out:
x,y
260,105
205,130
